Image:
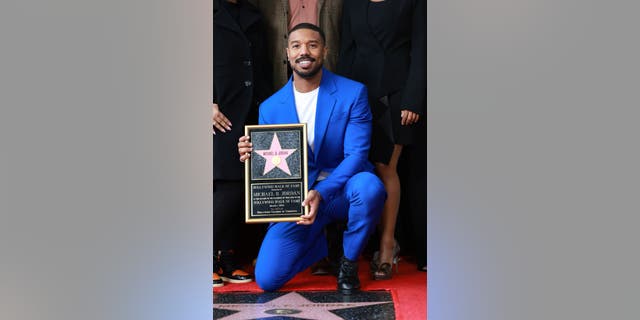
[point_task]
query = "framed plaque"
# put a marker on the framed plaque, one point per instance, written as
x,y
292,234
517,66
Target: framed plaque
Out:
x,y
276,173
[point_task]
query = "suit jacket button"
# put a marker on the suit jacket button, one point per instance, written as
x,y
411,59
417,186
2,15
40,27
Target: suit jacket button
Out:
x,y
247,83
247,63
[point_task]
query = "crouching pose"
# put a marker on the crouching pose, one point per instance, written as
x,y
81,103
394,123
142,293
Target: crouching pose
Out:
x,y
342,183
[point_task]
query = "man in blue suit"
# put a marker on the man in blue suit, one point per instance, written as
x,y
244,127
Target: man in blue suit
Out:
x,y
342,183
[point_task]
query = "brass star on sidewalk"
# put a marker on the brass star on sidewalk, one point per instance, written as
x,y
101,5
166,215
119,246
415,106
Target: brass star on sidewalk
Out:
x,y
292,304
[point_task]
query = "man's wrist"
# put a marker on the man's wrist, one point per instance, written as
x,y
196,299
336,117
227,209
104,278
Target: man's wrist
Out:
x,y
317,192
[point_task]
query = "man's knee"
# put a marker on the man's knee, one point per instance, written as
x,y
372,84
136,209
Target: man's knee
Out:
x,y
270,278
268,284
368,190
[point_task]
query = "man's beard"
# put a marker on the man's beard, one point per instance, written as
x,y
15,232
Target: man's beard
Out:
x,y
310,73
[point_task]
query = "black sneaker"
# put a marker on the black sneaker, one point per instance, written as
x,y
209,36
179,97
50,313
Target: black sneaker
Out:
x,y
230,271
217,281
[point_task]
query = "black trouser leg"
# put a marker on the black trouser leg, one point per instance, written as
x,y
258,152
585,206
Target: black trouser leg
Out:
x,y
418,194
228,213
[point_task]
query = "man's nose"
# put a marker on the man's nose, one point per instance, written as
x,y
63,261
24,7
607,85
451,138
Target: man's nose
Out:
x,y
304,49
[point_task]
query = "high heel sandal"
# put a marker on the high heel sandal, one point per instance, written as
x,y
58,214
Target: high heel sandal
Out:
x,y
383,271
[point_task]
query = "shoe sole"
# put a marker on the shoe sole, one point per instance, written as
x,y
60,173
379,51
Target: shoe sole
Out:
x,y
225,279
348,292
218,285
320,273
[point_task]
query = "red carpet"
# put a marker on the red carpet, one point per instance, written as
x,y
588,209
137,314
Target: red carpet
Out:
x,y
408,287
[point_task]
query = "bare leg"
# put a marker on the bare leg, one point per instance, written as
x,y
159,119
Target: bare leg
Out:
x,y
389,176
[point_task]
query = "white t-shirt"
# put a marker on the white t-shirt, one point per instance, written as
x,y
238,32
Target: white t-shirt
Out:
x,y
306,104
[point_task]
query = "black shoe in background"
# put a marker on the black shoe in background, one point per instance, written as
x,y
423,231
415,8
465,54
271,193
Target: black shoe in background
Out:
x,y
321,268
230,271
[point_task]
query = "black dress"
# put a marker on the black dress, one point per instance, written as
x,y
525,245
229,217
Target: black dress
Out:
x,y
384,47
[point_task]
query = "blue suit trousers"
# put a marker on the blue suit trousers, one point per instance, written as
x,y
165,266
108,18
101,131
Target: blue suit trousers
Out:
x,y
288,248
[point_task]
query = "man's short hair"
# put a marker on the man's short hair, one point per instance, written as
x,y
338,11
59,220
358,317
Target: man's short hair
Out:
x,y
311,26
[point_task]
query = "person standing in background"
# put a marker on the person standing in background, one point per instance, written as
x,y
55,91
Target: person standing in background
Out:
x,y
282,15
241,80
383,45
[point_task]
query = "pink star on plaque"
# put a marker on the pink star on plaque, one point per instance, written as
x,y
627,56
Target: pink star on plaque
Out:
x,y
276,156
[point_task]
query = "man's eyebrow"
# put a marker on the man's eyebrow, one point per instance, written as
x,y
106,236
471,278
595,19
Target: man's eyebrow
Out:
x,y
310,41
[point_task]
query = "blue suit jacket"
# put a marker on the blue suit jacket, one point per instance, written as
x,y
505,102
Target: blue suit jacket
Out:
x,y
342,130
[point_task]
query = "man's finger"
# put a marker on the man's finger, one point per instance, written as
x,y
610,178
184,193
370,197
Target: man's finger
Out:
x,y
305,220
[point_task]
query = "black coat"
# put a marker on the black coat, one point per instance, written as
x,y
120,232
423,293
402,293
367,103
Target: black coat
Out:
x,y
240,81
397,64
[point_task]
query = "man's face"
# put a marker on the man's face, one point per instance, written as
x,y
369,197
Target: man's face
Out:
x,y
306,52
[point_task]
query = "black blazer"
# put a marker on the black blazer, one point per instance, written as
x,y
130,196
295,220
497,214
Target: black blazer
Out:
x,y
397,64
241,80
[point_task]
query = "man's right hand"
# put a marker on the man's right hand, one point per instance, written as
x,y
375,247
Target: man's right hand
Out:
x,y
244,148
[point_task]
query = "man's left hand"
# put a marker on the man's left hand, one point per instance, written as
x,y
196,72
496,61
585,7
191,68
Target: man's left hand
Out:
x,y
313,201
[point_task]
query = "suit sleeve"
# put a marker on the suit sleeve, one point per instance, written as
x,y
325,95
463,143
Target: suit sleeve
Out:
x,y
357,140
414,92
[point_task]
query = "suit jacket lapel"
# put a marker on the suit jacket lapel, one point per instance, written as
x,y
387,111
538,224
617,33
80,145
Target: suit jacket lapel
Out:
x,y
247,18
326,102
320,4
364,11
285,17
287,111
